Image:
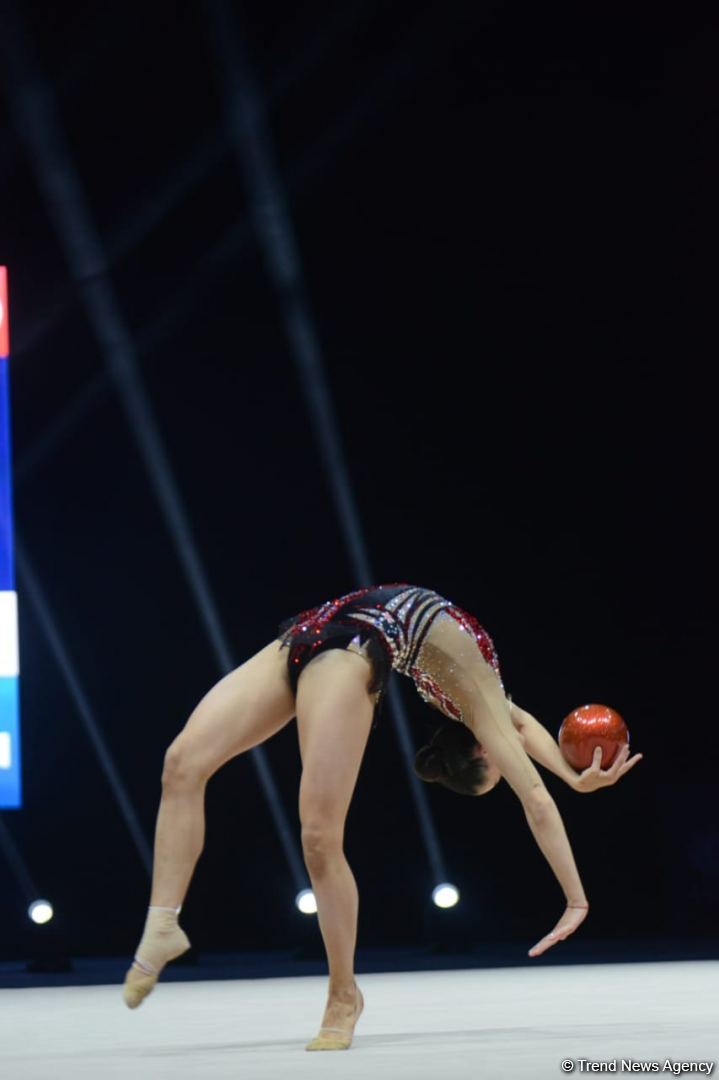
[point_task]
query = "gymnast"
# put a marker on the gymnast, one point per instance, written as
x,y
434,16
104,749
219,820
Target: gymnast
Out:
x,y
329,667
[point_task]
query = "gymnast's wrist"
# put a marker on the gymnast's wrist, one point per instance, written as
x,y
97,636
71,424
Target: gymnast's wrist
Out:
x,y
568,774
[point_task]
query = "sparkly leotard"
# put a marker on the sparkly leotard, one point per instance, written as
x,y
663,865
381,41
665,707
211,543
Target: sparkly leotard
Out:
x,y
400,627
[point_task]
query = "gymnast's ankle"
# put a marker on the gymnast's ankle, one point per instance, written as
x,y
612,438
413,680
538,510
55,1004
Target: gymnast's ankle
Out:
x,y
163,940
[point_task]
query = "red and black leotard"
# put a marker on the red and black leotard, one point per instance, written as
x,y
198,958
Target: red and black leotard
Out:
x,y
393,621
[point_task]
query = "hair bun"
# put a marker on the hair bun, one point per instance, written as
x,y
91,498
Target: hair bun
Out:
x,y
429,764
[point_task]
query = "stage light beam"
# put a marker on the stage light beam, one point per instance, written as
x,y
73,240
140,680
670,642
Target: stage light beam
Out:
x,y
246,115
39,125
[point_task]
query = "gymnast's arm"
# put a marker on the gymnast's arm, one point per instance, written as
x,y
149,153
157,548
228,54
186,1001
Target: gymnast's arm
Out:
x,y
540,745
491,723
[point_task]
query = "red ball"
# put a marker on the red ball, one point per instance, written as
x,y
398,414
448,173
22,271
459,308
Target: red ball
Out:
x,y
588,727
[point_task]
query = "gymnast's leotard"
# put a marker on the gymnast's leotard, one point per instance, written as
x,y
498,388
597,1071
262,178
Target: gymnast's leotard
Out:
x,y
400,627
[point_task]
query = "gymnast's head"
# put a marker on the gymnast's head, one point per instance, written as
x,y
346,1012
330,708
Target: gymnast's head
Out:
x,y
455,759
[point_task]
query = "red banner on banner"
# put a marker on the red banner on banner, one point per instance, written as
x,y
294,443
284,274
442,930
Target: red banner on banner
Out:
x,y
4,316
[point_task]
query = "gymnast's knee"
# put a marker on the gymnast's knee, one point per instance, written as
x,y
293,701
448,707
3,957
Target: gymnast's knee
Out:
x,y
182,770
321,847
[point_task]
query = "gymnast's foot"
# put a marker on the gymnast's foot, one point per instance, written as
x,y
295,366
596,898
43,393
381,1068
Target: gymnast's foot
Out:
x,y
341,1015
163,940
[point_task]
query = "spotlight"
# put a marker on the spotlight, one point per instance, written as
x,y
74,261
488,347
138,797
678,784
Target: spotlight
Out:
x,y
445,895
306,902
40,911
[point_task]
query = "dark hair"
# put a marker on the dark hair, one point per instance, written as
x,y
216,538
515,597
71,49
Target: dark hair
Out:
x,y
447,760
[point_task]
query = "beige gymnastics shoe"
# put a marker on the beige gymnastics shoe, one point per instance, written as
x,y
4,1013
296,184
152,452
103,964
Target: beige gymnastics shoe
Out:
x,y
162,941
335,1038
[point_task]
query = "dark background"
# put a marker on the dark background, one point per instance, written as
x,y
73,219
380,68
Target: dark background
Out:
x,y
507,217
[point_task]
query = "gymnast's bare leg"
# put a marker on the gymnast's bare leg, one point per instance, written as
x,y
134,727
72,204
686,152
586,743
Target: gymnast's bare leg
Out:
x,y
242,710
334,717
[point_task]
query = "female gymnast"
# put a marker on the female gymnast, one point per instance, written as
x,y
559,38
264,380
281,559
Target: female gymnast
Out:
x,y
329,667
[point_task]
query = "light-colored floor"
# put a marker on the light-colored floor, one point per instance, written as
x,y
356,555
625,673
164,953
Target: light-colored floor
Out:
x,y
489,1023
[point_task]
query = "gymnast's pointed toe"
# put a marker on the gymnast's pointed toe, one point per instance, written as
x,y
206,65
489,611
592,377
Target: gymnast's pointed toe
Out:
x,y
138,984
163,940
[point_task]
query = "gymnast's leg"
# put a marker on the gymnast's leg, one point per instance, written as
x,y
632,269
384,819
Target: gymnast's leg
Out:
x,y
243,709
334,716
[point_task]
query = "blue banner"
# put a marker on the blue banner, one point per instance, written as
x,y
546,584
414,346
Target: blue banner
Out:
x,y
10,779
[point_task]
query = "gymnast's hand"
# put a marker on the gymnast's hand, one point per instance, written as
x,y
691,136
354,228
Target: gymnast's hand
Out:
x,y
595,777
570,920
